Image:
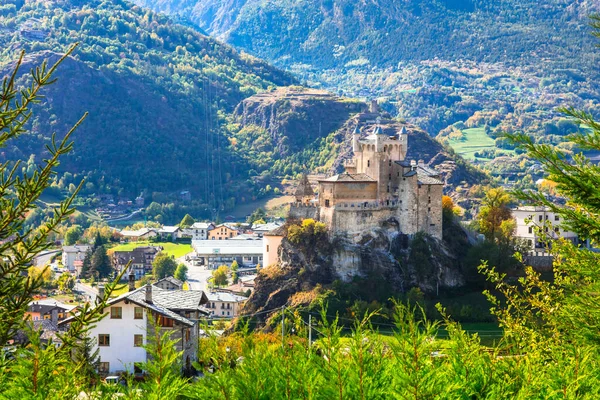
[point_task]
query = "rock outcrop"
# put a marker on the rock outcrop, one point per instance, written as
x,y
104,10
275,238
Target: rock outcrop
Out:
x,y
383,254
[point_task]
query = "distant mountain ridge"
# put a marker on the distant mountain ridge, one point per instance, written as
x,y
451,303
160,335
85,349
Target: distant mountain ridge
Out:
x,y
333,33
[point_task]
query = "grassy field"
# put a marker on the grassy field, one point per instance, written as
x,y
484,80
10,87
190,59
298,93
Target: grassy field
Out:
x,y
172,249
475,140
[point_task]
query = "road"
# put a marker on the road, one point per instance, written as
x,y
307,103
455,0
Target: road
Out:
x,y
86,290
44,257
197,276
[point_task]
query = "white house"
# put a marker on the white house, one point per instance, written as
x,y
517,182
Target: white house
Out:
x,y
535,222
224,304
198,230
120,335
173,232
140,234
73,256
213,253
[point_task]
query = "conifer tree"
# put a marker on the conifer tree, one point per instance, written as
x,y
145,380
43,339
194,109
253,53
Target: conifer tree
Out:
x,y
19,196
100,263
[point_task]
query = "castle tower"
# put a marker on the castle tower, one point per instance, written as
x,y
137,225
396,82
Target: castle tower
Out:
x,y
355,137
304,192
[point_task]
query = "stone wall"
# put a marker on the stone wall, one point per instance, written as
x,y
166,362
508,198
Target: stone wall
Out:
x,y
303,211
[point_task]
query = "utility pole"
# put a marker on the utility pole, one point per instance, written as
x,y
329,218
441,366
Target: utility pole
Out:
x,y
309,331
282,325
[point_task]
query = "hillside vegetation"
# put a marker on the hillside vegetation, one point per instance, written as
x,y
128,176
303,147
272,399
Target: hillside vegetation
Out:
x,y
156,92
442,65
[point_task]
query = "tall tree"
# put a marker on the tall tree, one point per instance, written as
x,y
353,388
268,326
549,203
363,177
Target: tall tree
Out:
x,y
181,272
494,212
100,263
19,196
186,221
219,276
163,266
86,268
73,235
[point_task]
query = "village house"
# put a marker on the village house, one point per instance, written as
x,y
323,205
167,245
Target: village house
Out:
x,y
39,311
131,317
222,232
213,253
73,256
169,283
198,230
141,259
140,234
378,184
261,229
170,233
224,304
537,224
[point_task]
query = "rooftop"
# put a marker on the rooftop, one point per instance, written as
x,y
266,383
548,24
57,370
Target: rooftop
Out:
x,y
228,247
346,177
225,297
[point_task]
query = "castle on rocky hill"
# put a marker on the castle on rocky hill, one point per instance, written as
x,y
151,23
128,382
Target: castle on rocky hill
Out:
x,y
379,184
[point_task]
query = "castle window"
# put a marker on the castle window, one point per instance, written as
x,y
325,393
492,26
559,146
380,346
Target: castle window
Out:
x,y
326,203
428,208
398,173
390,163
388,202
429,199
388,188
390,177
368,163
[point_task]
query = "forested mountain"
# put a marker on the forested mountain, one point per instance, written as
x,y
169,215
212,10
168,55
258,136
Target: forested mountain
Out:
x,y
444,65
155,90
332,33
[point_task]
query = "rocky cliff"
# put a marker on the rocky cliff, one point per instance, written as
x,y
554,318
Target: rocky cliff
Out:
x,y
381,258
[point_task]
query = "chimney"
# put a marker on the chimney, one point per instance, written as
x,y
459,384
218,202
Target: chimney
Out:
x,y
54,317
100,292
413,165
131,280
421,163
149,293
374,107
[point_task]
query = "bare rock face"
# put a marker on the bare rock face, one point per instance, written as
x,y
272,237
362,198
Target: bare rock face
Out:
x,y
382,253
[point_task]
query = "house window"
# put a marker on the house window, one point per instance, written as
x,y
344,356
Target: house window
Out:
x,y
227,312
267,248
103,367
228,306
222,306
103,340
530,229
187,335
138,340
556,229
213,305
390,177
116,312
556,218
540,218
138,313
165,322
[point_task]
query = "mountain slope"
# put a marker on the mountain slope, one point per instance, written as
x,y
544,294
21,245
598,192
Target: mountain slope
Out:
x,y
155,91
331,33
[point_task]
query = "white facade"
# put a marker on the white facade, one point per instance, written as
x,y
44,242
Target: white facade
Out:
x,y
224,305
533,223
71,254
121,354
213,253
199,230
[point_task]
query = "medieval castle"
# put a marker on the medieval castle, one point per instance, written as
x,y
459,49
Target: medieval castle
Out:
x,y
378,184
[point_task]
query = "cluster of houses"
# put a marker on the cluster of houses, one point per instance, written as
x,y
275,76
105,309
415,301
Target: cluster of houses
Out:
x,y
198,231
